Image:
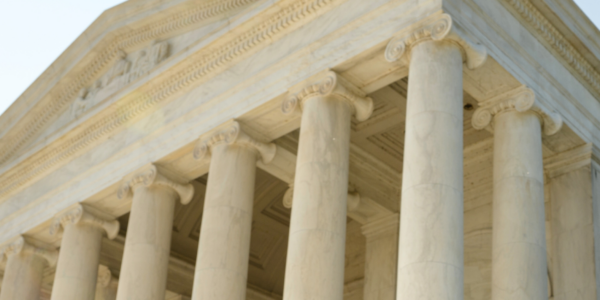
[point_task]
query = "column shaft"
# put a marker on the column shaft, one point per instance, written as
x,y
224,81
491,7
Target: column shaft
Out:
x,y
519,239
430,263
23,277
573,236
381,259
315,259
224,249
147,245
77,268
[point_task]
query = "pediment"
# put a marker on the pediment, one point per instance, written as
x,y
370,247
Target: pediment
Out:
x,y
120,48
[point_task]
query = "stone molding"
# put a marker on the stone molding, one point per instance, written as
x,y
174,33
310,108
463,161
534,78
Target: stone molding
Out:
x,y
20,245
234,135
104,276
437,29
521,99
109,54
382,226
329,83
534,18
208,61
79,213
150,175
568,161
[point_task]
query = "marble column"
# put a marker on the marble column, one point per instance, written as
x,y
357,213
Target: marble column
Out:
x,y
143,273
381,258
315,257
24,269
430,259
570,181
77,268
106,286
224,248
519,267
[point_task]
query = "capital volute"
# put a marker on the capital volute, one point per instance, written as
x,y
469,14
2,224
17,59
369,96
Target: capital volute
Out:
x,y
438,28
104,276
150,175
20,245
81,214
234,135
329,83
521,99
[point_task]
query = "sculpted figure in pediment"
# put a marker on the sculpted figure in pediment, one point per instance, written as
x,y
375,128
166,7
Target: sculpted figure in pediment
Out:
x,y
125,70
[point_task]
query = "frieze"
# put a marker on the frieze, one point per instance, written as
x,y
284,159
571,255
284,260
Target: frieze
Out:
x,y
201,65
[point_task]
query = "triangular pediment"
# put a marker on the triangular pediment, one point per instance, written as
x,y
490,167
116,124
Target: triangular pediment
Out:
x,y
124,45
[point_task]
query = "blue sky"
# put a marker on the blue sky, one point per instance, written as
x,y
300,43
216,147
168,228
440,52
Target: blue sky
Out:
x,y
35,32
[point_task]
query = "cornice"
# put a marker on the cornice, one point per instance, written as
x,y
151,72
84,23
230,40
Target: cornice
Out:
x,y
234,135
439,28
568,161
521,99
19,245
80,214
150,175
329,83
62,95
552,36
210,60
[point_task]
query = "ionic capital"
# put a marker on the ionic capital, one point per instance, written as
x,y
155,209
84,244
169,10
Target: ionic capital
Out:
x,y
329,83
148,176
81,214
437,29
521,99
20,245
234,135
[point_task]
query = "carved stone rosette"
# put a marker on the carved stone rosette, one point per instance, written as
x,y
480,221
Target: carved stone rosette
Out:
x,y
326,84
79,213
438,29
20,245
234,135
149,176
521,99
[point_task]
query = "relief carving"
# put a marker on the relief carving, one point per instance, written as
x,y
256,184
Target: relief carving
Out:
x,y
125,70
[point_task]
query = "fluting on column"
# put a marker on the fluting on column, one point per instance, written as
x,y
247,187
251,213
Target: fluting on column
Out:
x,y
223,252
430,261
519,268
315,258
143,273
77,268
26,260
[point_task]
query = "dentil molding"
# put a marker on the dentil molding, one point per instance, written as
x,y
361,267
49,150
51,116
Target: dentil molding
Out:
x,y
234,135
325,84
437,29
80,214
536,20
521,99
64,94
206,63
150,175
19,245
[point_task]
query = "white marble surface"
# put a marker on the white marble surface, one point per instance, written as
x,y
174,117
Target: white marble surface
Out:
x,y
78,259
573,236
222,262
519,268
381,259
143,273
315,258
430,259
